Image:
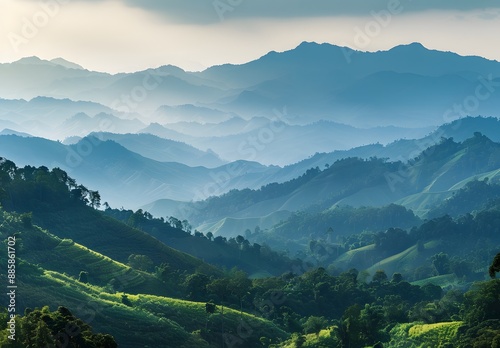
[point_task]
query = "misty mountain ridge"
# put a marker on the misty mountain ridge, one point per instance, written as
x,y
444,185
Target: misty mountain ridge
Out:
x,y
255,140
53,62
166,169
419,184
65,63
128,179
402,86
163,150
7,131
316,98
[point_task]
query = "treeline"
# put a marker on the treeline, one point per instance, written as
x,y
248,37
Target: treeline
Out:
x,y
465,244
236,200
343,221
474,196
351,174
31,188
218,250
316,300
354,312
478,154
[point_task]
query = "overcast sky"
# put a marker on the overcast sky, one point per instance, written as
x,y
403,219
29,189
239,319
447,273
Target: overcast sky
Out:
x,y
130,35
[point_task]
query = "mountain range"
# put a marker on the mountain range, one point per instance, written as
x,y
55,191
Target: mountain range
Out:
x,y
404,86
419,183
314,98
135,170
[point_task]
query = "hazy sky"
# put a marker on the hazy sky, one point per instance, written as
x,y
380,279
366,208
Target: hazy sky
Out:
x,y
130,35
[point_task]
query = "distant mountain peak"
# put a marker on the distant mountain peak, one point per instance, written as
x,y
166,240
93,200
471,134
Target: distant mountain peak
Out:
x,y
409,48
415,45
308,44
169,68
67,64
32,60
80,116
8,131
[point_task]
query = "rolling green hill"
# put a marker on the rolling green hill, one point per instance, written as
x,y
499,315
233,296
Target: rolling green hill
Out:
x,y
216,250
114,239
232,226
58,204
405,261
68,257
416,335
145,320
317,198
115,298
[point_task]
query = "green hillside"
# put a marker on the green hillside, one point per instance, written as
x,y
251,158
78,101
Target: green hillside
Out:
x,y
443,281
57,203
321,309
425,204
232,226
47,273
114,269
416,335
167,322
421,184
220,251
407,260
109,237
68,257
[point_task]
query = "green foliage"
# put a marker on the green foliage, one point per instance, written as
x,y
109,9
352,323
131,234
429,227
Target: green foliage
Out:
x,y
42,328
495,266
210,307
55,202
346,221
28,188
484,334
83,277
441,262
196,286
393,240
481,313
164,319
414,335
397,277
126,301
482,302
219,251
380,277
140,262
70,257
474,196
314,324
324,339
438,309
443,247
27,220
236,200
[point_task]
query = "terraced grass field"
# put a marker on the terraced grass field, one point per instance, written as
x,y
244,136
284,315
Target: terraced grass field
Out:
x,y
416,335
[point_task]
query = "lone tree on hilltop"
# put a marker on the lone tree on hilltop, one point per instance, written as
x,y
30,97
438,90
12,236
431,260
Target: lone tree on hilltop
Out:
x,y
495,266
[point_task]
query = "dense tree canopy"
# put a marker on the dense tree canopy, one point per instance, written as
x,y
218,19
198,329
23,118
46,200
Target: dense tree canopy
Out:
x,y
43,328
